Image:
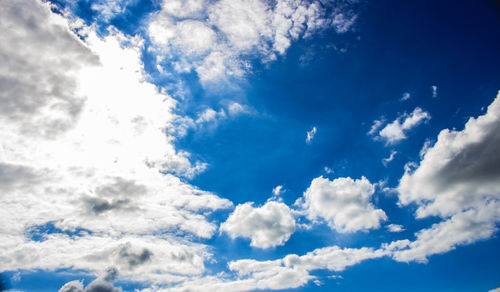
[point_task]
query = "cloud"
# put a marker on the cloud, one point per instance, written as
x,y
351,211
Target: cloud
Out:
x,y
310,135
386,160
101,284
219,39
377,124
405,96
343,203
290,272
458,181
278,190
495,290
434,89
84,150
267,226
395,228
396,131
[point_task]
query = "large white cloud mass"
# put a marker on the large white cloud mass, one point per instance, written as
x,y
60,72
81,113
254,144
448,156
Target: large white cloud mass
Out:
x,y
84,159
267,226
458,180
218,39
343,203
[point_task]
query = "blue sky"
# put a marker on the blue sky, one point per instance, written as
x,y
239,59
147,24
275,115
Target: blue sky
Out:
x,y
245,145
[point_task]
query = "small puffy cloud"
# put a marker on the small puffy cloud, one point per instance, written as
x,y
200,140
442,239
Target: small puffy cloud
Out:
x,y
396,131
278,190
395,228
310,135
458,179
495,290
405,96
434,89
343,203
267,226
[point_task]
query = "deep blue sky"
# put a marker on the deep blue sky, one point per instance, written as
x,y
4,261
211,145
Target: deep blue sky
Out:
x,y
394,47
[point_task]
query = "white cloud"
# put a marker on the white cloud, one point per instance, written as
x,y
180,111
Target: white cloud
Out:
x,y
343,203
292,271
217,39
84,150
495,290
386,160
377,124
278,190
396,131
405,96
310,135
458,179
267,226
434,89
395,228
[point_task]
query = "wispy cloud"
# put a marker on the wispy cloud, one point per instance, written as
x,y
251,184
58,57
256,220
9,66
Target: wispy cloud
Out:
x,y
310,135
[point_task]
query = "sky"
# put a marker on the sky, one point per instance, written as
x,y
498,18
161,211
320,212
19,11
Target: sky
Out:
x,y
249,145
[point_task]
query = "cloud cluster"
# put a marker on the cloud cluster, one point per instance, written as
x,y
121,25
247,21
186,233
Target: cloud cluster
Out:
x,y
101,284
343,203
83,149
267,226
458,180
218,39
396,130
289,272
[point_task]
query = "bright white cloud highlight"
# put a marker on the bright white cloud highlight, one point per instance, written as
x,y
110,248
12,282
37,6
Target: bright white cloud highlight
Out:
x,y
267,226
396,131
310,135
395,228
84,151
343,203
434,89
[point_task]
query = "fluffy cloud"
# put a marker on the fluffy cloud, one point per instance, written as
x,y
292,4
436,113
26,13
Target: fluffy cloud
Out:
x,y
85,161
458,180
218,39
395,228
343,203
396,131
101,284
267,226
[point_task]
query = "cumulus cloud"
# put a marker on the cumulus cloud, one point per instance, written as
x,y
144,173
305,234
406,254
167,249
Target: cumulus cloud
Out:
x,y
457,180
395,228
310,135
218,39
101,284
343,203
84,150
290,272
396,130
267,226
